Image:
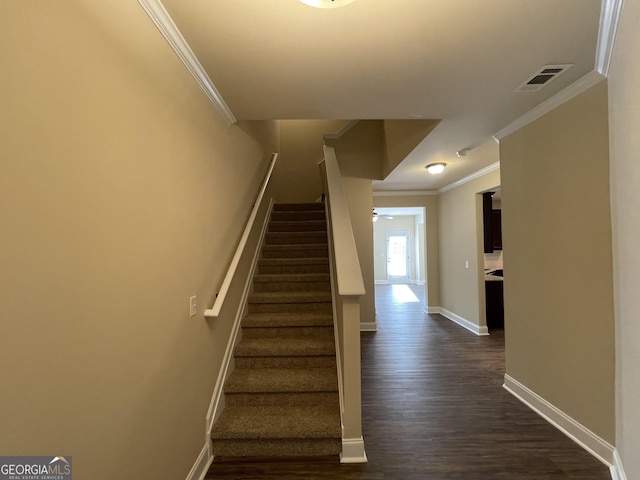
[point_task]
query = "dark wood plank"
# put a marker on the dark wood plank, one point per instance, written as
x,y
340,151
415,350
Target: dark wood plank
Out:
x,y
434,408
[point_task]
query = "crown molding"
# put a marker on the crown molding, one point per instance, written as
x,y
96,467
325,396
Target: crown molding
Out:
x,y
473,176
403,193
172,35
582,84
609,17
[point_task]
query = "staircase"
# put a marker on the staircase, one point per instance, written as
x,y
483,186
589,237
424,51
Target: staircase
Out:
x,y
282,398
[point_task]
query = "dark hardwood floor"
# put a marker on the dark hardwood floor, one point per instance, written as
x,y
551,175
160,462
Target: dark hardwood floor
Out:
x,y
434,408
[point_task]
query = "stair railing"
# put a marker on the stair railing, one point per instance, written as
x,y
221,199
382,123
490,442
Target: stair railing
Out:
x,y
214,311
347,288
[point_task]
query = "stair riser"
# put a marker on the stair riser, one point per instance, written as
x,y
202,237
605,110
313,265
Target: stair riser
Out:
x,y
292,269
301,238
296,207
277,447
278,216
300,226
292,287
286,362
288,332
281,399
290,307
308,252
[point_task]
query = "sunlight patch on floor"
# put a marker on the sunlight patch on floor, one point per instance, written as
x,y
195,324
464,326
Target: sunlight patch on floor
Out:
x,y
403,294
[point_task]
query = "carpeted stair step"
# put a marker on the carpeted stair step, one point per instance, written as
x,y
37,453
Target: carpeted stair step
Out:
x,y
246,430
281,380
298,361
301,302
311,250
292,282
281,447
298,226
302,215
285,347
297,207
287,319
295,238
288,332
277,266
280,398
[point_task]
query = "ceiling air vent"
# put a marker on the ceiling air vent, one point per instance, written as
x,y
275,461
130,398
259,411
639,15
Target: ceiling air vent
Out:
x,y
543,77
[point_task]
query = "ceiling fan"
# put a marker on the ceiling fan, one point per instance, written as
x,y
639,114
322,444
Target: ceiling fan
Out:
x,y
376,216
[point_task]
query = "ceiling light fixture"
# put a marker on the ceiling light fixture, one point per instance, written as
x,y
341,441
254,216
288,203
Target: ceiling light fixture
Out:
x,y
327,3
462,153
435,168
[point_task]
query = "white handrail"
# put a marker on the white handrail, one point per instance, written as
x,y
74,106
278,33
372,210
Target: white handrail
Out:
x,y
214,311
348,273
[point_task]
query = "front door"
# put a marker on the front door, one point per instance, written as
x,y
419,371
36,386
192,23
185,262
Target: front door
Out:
x,y
398,257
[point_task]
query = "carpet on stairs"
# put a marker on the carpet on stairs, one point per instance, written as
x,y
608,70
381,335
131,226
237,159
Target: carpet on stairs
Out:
x,y
282,400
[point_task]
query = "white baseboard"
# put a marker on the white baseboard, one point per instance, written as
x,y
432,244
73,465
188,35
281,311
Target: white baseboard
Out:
x,y
617,471
368,327
353,451
580,434
381,282
201,467
463,322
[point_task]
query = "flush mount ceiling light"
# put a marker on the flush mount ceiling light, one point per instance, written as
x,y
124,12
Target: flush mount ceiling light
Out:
x,y
435,168
327,3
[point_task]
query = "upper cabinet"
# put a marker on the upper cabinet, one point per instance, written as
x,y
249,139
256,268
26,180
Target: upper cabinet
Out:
x,y
492,224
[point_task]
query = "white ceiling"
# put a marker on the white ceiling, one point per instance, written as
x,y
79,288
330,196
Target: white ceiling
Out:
x,y
459,61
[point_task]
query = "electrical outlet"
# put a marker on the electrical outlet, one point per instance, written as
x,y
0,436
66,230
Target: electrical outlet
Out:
x,y
193,306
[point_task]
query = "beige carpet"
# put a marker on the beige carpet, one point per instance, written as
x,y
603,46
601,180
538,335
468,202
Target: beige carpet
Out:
x,y
282,398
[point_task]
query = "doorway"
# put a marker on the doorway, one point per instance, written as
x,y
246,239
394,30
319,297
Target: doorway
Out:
x,y
398,257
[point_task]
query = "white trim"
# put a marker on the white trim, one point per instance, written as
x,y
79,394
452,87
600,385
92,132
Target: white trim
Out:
x,y
214,311
473,176
617,471
172,35
463,322
353,451
343,130
403,193
580,434
582,84
201,467
368,327
381,282
217,400
609,16
432,310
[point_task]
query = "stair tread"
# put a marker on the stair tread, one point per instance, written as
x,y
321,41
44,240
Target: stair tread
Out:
x,y
294,246
290,421
298,207
280,380
294,261
287,319
291,277
291,297
285,346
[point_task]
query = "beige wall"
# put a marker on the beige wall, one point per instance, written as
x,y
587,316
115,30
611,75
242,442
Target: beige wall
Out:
x,y
624,125
359,201
122,193
431,260
296,177
558,284
462,289
401,137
